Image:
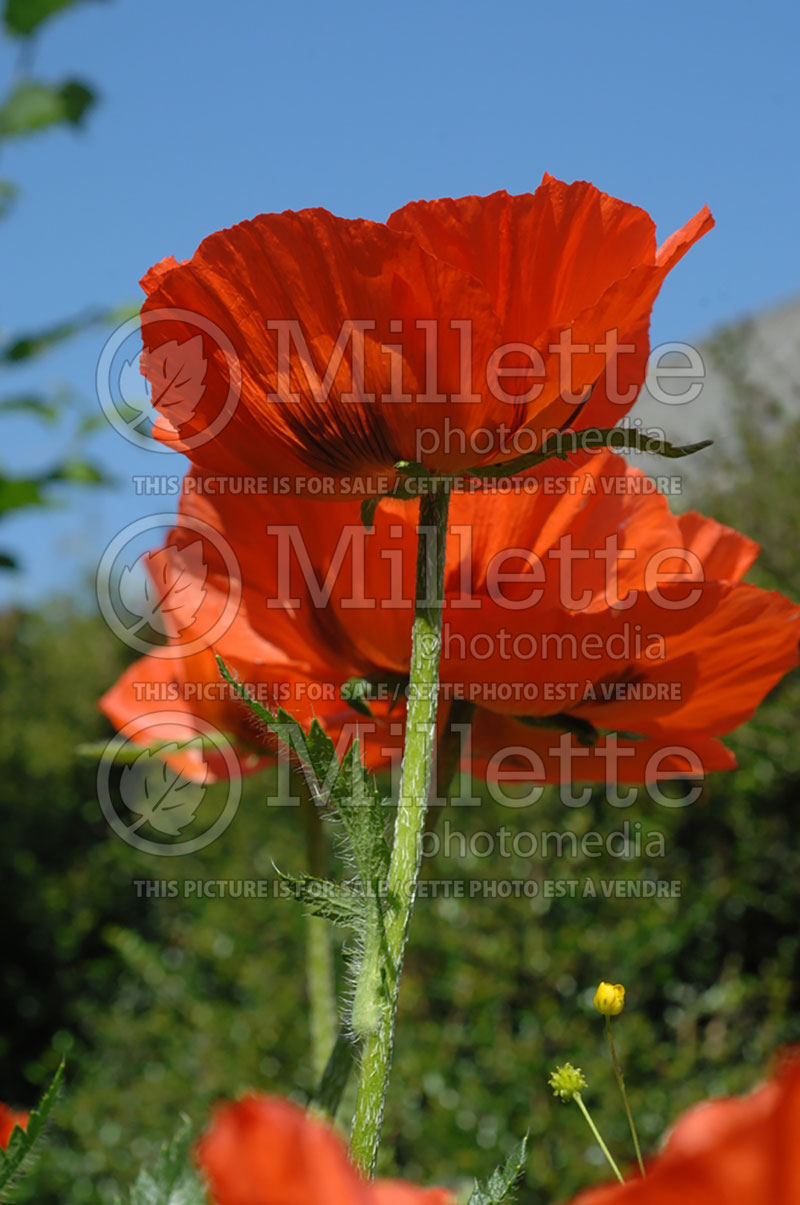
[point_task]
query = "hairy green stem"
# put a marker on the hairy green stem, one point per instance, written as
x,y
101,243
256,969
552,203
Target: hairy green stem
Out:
x,y
415,779
621,1082
328,1096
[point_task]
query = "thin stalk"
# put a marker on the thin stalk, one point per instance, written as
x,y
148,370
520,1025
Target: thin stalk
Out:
x,y
328,1096
621,1082
448,757
320,975
579,1102
415,778
320,986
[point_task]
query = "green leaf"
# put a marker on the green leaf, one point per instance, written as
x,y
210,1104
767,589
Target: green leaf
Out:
x,y
368,509
336,902
566,443
30,403
499,1188
124,752
8,195
24,492
314,749
321,751
83,472
172,1180
31,491
358,692
22,17
33,106
561,446
76,100
7,561
412,468
355,693
584,732
21,1143
91,423
345,788
35,343
360,809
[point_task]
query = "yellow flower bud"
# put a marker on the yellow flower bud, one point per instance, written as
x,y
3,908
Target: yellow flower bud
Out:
x,y
609,999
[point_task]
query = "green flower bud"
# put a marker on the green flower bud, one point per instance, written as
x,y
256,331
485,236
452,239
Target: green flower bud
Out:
x,y
567,1081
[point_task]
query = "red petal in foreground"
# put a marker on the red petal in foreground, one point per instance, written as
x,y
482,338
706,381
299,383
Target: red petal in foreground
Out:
x,y
266,1151
737,1149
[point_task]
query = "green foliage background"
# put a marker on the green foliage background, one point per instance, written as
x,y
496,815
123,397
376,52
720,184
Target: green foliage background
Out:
x,y
164,1005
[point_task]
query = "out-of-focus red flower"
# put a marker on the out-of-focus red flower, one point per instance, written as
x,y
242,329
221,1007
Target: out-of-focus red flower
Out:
x,y
596,635
471,321
266,1151
8,1119
739,1150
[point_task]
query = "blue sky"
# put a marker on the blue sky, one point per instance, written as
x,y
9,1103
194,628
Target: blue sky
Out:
x,y
211,113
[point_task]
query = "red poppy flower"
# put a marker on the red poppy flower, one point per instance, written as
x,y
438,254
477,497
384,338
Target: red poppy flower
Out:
x,y
8,1120
456,334
266,1151
284,666
597,636
741,1149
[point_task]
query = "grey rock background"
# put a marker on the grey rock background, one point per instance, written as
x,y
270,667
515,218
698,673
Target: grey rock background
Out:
x,y
752,375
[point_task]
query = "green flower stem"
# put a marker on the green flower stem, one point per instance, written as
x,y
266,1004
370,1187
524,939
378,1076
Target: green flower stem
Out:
x,y
621,1082
579,1102
327,1099
448,757
415,779
319,982
320,976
